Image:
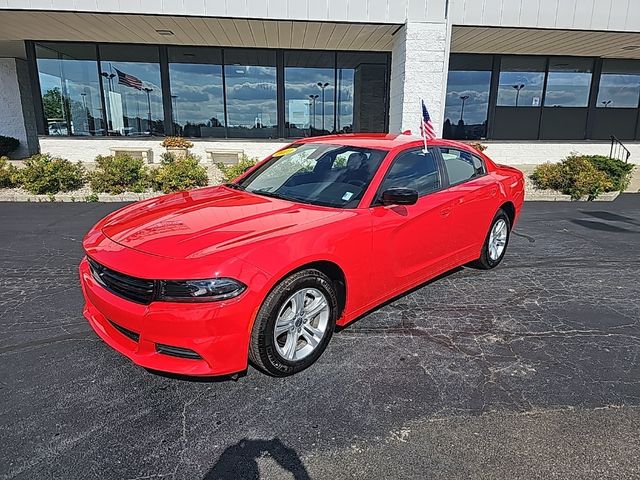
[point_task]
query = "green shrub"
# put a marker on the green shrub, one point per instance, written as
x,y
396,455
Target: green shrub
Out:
x,y
575,176
618,171
179,173
44,174
9,176
8,145
92,197
230,172
119,174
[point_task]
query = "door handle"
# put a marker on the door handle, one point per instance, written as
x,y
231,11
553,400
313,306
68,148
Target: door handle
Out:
x,y
445,211
493,192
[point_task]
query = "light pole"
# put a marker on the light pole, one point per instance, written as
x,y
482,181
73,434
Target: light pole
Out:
x,y
464,98
109,76
518,88
322,87
149,90
312,125
606,103
174,113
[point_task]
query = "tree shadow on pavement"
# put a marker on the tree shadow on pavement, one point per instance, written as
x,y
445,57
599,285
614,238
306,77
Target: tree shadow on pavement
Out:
x,y
239,461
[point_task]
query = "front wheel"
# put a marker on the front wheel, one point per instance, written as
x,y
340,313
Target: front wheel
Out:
x,y
495,245
294,324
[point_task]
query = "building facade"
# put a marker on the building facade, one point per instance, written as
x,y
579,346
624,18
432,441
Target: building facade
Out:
x,y
536,79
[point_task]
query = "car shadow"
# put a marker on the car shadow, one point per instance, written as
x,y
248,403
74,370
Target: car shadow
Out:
x,y
192,379
611,217
239,461
402,295
602,227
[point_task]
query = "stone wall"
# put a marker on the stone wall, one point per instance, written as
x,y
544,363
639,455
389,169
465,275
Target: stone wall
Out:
x,y
17,118
419,66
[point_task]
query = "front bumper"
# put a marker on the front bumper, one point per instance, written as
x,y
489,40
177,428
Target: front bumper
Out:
x,y
218,332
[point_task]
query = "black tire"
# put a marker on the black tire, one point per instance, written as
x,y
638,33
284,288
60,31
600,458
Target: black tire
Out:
x,y
485,262
263,353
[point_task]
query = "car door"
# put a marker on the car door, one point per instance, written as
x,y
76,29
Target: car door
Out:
x,y
411,242
476,196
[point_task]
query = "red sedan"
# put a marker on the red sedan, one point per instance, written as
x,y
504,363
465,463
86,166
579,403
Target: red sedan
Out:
x,y
264,268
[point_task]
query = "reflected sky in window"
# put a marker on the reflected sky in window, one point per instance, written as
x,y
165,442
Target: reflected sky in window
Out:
x,y
303,112
618,91
251,97
470,88
197,100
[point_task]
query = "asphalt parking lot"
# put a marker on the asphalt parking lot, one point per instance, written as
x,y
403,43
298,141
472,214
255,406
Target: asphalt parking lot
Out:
x,y
531,370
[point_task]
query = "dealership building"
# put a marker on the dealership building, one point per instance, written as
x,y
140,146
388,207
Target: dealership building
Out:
x,y
533,79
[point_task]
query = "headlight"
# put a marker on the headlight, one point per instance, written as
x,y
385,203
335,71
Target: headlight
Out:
x,y
211,290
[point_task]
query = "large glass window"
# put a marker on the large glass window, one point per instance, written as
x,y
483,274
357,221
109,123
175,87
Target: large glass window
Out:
x,y
250,77
70,89
569,82
197,100
521,81
362,90
309,92
131,84
467,102
619,84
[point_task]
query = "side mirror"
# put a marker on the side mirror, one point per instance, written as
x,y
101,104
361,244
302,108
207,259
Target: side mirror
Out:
x,y
399,196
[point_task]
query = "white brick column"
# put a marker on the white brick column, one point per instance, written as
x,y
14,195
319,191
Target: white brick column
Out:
x,y
419,67
17,118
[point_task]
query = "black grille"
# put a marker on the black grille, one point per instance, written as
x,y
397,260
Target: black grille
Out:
x,y
126,332
137,290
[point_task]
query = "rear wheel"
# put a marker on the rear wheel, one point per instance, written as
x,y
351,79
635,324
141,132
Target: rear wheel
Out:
x,y
495,244
294,324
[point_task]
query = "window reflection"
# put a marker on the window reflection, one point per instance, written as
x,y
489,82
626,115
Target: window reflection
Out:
x,y
197,102
467,101
70,89
250,77
521,81
131,84
309,93
362,91
619,84
568,82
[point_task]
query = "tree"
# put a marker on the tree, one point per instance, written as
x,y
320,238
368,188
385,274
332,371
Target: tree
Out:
x,y
52,103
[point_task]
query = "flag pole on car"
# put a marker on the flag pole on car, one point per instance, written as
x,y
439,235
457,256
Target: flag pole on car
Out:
x,y
426,127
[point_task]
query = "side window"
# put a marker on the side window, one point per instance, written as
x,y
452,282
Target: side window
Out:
x,y
413,169
461,165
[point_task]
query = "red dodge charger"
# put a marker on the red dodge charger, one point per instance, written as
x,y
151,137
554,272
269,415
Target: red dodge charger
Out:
x,y
316,235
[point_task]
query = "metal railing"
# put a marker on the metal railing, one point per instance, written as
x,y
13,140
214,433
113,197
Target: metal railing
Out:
x,y
618,150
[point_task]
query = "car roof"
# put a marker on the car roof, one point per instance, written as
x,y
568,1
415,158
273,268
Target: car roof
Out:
x,y
385,141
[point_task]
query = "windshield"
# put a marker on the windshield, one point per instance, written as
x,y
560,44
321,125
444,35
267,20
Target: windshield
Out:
x,y
315,173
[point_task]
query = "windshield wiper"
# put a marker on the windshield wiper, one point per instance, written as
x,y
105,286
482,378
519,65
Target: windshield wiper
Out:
x,y
267,193
235,186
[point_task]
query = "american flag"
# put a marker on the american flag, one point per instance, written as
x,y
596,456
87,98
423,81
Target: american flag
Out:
x,y
426,127
128,80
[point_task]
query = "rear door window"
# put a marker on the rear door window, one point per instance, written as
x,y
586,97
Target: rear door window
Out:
x,y
461,165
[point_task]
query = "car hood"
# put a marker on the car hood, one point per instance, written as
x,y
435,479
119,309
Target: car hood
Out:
x,y
206,221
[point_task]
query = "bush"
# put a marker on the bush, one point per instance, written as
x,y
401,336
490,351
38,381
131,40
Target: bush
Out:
x,y
176,142
618,171
181,173
9,174
119,174
8,145
44,174
230,172
575,176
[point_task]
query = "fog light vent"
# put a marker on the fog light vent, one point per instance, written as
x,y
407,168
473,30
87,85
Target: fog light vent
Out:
x,y
130,334
177,351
